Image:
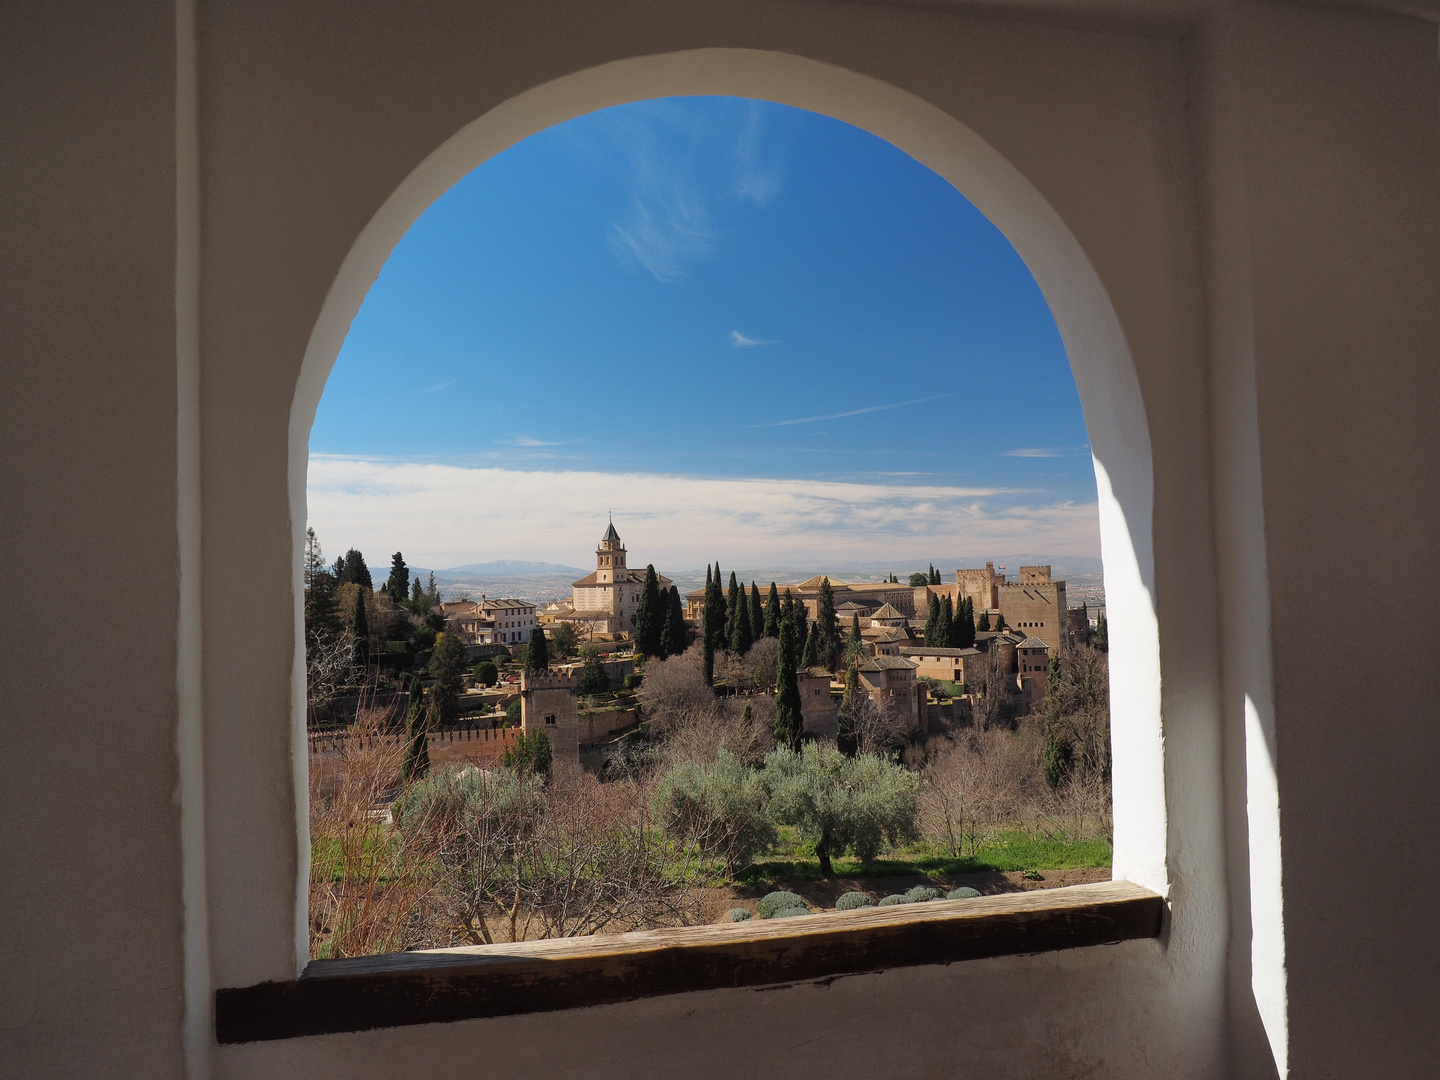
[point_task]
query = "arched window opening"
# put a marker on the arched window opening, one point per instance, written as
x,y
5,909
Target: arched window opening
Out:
x,y
827,396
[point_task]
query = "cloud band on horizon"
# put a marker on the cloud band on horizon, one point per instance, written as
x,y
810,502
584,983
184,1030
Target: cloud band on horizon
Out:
x,y
446,515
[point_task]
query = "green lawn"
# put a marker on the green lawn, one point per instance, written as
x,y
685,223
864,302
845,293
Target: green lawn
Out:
x,y
1013,851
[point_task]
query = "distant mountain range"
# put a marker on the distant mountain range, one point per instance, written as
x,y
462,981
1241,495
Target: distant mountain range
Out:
x,y
508,568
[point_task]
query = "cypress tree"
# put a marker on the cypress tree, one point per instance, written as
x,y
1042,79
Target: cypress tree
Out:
x,y
984,623
932,623
732,609
537,656
827,626
772,613
810,657
845,736
740,640
947,623
788,721
965,624
361,628
416,762
676,636
398,583
650,616
416,591
1101,640
757,614
707,626
1052,676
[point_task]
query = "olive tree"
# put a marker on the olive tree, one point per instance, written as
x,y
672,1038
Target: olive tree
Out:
x,y
854,804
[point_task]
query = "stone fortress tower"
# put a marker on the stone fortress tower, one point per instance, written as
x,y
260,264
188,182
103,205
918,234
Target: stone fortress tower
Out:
x,y
548,704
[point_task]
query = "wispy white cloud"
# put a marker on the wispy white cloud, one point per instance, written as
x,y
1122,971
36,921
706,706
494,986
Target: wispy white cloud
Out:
x,y
1047,451
528,440
446,515
753,180
740,341
438,387
663,233
853,412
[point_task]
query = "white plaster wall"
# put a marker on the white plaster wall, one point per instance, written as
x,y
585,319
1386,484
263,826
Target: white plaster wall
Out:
x,y
1244,199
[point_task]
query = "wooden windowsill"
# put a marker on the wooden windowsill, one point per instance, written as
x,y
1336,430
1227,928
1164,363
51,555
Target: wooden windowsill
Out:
x,y
445,985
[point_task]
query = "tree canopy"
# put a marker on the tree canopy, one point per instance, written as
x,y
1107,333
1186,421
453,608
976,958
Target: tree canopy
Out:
x,y
841,803
537,656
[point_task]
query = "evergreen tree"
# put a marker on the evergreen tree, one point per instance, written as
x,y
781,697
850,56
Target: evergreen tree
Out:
x,y
416,762
827,626
846,737
732,609
537,656
740,639
360,626
677,634
810,655
416,591
772,613
447,663
788,721
1052,676
709,615
932,623
919,578
947,623
350,569
321,615
757,614
650,616
934,576
984,623
433,591
314,557
855,644
1101,639
965,624
999,620
398,583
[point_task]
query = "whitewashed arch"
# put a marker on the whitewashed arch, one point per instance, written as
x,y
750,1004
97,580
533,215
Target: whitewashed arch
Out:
x,y
1094,341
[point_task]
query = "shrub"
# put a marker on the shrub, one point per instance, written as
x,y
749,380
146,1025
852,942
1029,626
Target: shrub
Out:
x,y
593,679
852,900
779,901
719,806
790,912
486,673
512,711
920,894
739,914
633,680
530,752
893,899
962,893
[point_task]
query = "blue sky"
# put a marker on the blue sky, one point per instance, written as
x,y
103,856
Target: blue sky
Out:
x,y
735,324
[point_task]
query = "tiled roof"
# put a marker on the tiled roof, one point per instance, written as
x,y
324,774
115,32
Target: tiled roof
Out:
x,y
925,650
886,611
887,663
611,536
1033,643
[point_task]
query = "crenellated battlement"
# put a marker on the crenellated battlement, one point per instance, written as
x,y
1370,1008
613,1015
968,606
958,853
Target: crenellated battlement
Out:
x,y
534,680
